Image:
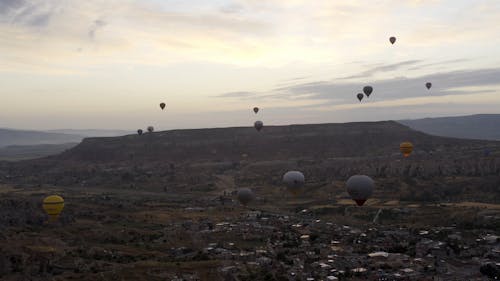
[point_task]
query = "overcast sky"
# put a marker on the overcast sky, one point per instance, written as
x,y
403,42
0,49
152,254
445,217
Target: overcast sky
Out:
x,y
108,64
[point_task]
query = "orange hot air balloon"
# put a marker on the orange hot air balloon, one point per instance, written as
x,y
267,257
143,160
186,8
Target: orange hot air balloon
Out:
x,y
406,148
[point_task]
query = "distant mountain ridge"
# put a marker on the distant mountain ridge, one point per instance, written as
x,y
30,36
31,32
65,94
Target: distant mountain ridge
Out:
x,y
92,132
10,137
13,137
480,126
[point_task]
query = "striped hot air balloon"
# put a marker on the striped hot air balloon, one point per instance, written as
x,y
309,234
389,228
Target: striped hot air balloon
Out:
x,y
406,148
53,206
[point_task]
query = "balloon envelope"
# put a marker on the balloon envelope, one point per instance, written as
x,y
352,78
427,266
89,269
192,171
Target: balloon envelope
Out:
x,y
53,206
428,85
294,180
255,109
360,188
360,96
139,132
368,90
151,129
406,148
392,40
258,125
162,105
245,196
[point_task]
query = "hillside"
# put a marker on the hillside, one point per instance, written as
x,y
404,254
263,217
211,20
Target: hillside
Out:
x,y
481,126
19,137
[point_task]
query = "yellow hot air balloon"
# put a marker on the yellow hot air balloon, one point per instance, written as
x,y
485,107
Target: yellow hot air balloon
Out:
x,y
406,148
53,206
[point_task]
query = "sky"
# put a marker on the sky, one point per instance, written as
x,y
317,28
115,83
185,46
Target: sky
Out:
x,y
108,64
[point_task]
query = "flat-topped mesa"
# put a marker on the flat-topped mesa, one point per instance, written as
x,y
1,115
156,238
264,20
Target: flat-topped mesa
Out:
x,y
360,139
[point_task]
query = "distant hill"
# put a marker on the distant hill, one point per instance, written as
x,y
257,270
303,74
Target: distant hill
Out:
x,y
24,152
481,126
93,132
18,137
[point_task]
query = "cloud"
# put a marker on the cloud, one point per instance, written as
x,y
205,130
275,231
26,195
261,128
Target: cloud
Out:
x,y
446,83
31,14
7,6
237,95
382,68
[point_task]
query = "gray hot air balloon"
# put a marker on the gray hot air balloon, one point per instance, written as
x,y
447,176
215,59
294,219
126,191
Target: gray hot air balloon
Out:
x,y
245,196
255,109
360,96
360,188
258,125
294,180
139,132
392,40
368,90
428,85
151,129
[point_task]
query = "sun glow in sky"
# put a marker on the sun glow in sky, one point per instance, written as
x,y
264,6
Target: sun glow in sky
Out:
x,y
108,64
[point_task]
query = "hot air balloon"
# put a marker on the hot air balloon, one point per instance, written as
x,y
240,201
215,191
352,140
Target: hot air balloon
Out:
x,y
406,148
360,188
428,85
245,196
139,132
53,206
360,96
162,105
151,129
258,125
392,40
294,180
255,109
368,90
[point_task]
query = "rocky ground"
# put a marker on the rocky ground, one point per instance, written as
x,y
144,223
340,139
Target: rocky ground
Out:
x,y
137,235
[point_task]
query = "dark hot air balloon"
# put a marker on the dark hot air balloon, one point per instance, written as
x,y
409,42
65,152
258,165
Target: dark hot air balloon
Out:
x,y
256,109
392,40
428,85
162,106
245,196
151,129
139,132
360,96
258,125
368,90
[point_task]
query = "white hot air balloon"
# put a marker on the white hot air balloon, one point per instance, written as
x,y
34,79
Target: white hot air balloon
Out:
x,y
360,188
294,180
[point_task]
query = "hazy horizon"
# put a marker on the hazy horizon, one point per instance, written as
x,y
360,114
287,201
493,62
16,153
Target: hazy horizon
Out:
x,y
108,64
